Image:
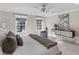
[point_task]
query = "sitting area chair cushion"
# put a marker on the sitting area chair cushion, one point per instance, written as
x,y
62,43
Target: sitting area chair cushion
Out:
x,y
19,40
10,33
9,45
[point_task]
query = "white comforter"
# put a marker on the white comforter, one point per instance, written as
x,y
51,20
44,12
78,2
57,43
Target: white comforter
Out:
x,y
32,47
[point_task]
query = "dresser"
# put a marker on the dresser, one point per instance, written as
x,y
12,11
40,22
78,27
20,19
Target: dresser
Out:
x,y
67,35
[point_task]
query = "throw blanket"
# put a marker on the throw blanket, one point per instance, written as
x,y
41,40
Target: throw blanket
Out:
x,y
44,41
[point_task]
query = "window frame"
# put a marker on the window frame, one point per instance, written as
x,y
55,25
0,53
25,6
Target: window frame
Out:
x,y
39,24
20,23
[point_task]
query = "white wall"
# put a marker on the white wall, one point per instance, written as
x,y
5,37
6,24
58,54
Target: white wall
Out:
x,y
50,21
74,22
8,19
32,26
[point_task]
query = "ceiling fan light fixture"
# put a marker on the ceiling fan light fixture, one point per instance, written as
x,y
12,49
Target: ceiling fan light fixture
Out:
x,y
43,9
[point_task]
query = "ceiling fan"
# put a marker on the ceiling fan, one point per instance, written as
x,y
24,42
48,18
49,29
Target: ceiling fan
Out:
x,y
43,7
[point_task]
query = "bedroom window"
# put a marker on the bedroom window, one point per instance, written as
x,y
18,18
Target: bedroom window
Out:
x,y
39,24
20,24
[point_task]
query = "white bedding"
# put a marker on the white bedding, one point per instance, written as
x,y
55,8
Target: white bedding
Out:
x,y
32,47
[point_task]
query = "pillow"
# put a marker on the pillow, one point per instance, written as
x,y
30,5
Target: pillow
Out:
x,y
19,40
10,33
9,45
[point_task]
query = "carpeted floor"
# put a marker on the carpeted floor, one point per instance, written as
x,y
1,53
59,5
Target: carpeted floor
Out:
x,y
67,48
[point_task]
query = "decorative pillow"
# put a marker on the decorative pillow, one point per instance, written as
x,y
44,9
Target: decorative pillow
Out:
x,y
19,40
10,33
9,45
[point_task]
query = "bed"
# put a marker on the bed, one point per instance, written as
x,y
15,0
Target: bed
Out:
x,y
31,47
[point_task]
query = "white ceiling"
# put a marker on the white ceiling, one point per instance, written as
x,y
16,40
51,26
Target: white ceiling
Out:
x,y
34,8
